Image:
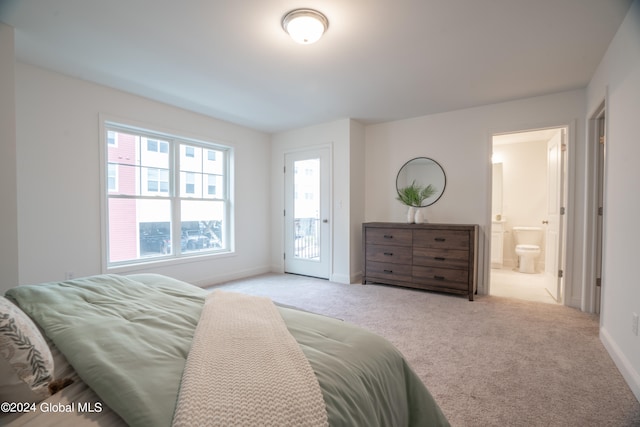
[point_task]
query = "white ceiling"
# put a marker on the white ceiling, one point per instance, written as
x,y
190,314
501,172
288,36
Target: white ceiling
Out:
x,y
380,60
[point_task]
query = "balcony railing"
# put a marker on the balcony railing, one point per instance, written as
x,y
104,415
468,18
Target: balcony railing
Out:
x,y
307,238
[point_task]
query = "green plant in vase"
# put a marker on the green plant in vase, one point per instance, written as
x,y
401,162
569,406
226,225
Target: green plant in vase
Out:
x,y
413,196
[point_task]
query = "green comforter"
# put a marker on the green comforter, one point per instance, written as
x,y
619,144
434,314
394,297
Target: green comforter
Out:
x,y
128,339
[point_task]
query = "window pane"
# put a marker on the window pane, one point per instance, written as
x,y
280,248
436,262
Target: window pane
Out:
x,y
138,229
307,208
155,181
215,187
128,180
211,185
164,181
112,177
214,163
111,137
139,167
155,238
154,158
202,225
191,184
125,151
190,158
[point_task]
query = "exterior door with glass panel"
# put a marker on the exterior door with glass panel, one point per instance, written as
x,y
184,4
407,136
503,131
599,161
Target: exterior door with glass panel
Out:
x,y
307,227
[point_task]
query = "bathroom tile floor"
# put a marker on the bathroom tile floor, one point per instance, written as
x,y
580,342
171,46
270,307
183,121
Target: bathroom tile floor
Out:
x,y
513,284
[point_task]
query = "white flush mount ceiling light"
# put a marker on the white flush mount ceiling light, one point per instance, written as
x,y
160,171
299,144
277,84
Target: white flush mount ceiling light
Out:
x,y
305,26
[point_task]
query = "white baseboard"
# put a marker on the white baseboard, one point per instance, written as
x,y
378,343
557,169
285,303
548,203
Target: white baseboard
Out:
x,y
631,376
340,278
210,281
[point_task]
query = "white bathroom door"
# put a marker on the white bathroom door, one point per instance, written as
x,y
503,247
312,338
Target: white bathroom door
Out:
x,y
307,228
553,222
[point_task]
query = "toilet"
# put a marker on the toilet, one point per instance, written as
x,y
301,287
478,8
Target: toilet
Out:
x,y
528,241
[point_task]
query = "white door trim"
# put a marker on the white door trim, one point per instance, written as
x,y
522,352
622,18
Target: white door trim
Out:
x,y
590,298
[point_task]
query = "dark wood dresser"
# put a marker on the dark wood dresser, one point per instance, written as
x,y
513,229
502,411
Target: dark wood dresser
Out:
x,y
435,257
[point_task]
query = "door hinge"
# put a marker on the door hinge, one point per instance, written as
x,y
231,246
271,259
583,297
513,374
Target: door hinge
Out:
x,y
284,169
284,255
600,211
598,281
560,274
562,210
563,147
284,212
602,140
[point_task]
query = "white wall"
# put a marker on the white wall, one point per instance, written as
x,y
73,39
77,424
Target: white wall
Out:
x,y
8,179
338,135
58,178
461,141
618,79
357,197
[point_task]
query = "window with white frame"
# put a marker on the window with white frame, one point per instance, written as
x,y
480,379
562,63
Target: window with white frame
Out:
x,y
166,196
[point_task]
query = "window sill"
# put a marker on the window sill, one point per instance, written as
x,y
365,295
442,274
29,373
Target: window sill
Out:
x,y
147,266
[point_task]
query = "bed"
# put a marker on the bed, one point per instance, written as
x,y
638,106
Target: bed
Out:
x,y
149,350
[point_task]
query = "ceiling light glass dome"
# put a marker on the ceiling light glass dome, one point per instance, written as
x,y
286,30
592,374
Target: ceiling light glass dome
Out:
x,y
305,26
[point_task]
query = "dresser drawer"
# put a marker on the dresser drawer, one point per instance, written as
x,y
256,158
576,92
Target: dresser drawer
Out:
x,y
444,277
389,237
448,258
441,239
389,254
387,271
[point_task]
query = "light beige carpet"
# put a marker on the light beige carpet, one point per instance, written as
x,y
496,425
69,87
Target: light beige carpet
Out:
x,y
491,362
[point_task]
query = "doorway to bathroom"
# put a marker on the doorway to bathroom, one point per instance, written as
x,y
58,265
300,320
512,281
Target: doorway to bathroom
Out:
x,y
528,202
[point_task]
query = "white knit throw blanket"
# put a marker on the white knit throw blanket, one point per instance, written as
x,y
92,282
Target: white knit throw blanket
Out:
x,y
245,369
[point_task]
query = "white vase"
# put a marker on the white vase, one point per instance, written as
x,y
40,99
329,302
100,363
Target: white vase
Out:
x,y
420,217
411,215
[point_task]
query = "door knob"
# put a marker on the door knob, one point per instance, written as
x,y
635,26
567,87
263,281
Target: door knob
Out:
x,y
545,222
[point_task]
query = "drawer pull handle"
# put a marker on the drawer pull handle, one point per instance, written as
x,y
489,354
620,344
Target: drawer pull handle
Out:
x,y
438,277
388,254
439,258
439,239
388,236
388,271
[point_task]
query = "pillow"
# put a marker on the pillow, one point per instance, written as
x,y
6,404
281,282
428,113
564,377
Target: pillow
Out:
x,y
26,363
